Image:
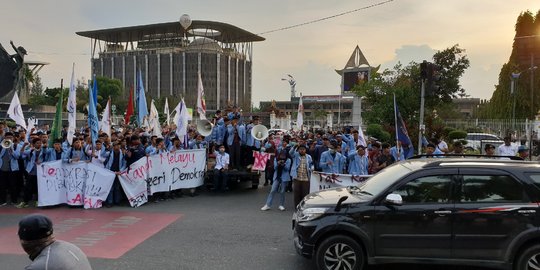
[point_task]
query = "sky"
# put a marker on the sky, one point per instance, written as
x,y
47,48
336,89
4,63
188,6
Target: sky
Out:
x,y
398,31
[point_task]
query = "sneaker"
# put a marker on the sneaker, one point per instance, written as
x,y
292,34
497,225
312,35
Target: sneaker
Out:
x,y
265,207
3,204
22,205
281,208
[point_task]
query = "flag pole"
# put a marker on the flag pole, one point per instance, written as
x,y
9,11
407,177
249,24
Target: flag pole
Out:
x,y
398,148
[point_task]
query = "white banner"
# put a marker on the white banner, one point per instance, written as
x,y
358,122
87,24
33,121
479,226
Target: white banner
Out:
x,y
163,172
320,180
78,183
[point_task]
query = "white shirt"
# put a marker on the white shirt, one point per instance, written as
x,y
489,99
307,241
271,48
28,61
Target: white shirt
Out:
x,y
442,145
222,161
504,150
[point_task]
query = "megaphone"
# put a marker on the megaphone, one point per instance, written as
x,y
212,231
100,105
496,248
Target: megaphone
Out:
x,y
204,127
7,143
259,132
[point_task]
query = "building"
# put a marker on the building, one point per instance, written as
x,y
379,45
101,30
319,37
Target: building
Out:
x,y
467,106
329,111
170,56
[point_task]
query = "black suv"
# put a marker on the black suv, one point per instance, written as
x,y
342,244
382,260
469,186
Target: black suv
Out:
x,y
436,211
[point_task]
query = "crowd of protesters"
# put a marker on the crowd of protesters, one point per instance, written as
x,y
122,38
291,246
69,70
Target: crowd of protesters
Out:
x,y
292,156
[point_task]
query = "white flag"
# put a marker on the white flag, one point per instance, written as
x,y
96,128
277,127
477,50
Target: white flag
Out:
x,y
105,123
72,108
166,111
15,111
182,123
153,120
32,123
201,103
300,116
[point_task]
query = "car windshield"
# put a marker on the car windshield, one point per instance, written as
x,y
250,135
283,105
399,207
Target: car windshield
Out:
x,y
380,181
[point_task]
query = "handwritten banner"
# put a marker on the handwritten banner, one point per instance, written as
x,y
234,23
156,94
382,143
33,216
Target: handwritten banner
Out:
x,y
163,172
320,180
78,183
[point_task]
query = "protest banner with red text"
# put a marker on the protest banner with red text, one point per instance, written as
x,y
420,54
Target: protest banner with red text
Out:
x,y
163,172
320,180
78,183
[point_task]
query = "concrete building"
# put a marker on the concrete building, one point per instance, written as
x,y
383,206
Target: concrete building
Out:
x,y
170,57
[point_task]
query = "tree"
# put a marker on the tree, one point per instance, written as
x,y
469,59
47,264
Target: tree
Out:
x,y
500,105
405,83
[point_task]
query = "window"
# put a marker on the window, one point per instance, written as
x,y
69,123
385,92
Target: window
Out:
x,y
491,189
428,189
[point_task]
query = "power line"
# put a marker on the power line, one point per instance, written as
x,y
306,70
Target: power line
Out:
x,y
327,18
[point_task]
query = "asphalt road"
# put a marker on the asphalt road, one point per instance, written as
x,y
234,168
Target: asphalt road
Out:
x,y
214,231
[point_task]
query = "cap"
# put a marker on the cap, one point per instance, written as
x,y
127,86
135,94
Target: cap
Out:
x,y
34,227
522,148
360,147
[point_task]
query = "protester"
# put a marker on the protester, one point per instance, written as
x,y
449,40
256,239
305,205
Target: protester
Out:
x,y
302,166
221,168
282,166
9,169
507,149
114,161
523,152
38,241
359,162
385,159
332,161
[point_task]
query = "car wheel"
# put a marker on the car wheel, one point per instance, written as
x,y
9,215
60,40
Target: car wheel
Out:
x,y
340,253
529,259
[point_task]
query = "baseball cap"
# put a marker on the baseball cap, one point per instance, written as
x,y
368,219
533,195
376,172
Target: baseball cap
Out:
x,y
34,227
522,148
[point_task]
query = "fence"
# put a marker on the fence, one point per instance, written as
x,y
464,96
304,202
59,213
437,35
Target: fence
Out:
x,y
501,127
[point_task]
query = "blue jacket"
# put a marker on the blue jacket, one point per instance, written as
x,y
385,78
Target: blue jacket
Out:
x,y
358,165
285,175
241,129
71,153
338,163
109,160
296,164
30,156
193,144
230,134
50,154
14,160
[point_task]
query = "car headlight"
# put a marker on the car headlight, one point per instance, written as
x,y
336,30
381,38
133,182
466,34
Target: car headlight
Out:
x,y
311,213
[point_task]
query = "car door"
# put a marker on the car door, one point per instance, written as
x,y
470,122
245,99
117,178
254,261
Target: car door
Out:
x,y
422,225
492,208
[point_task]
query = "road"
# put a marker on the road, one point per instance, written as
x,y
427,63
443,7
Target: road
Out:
x,y
210,231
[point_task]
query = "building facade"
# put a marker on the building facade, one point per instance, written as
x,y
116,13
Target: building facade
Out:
x,y
170,58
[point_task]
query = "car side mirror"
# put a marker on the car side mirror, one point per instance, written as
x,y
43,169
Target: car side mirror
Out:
x,y
394,199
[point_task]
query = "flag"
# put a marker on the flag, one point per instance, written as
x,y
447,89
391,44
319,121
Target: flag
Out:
x,y
201,103
182,122
95,90
300,116
153,120
166,111
129,109
401,132
56,129
32,123
72,107
93,121
15,111
141,102
105,123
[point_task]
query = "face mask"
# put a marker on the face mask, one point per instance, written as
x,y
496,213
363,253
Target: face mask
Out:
x,y
221,150
268,145
263,149
293,144
332,151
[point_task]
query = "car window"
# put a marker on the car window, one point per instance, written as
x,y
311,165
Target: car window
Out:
x,y
536,179
428,189
491,189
